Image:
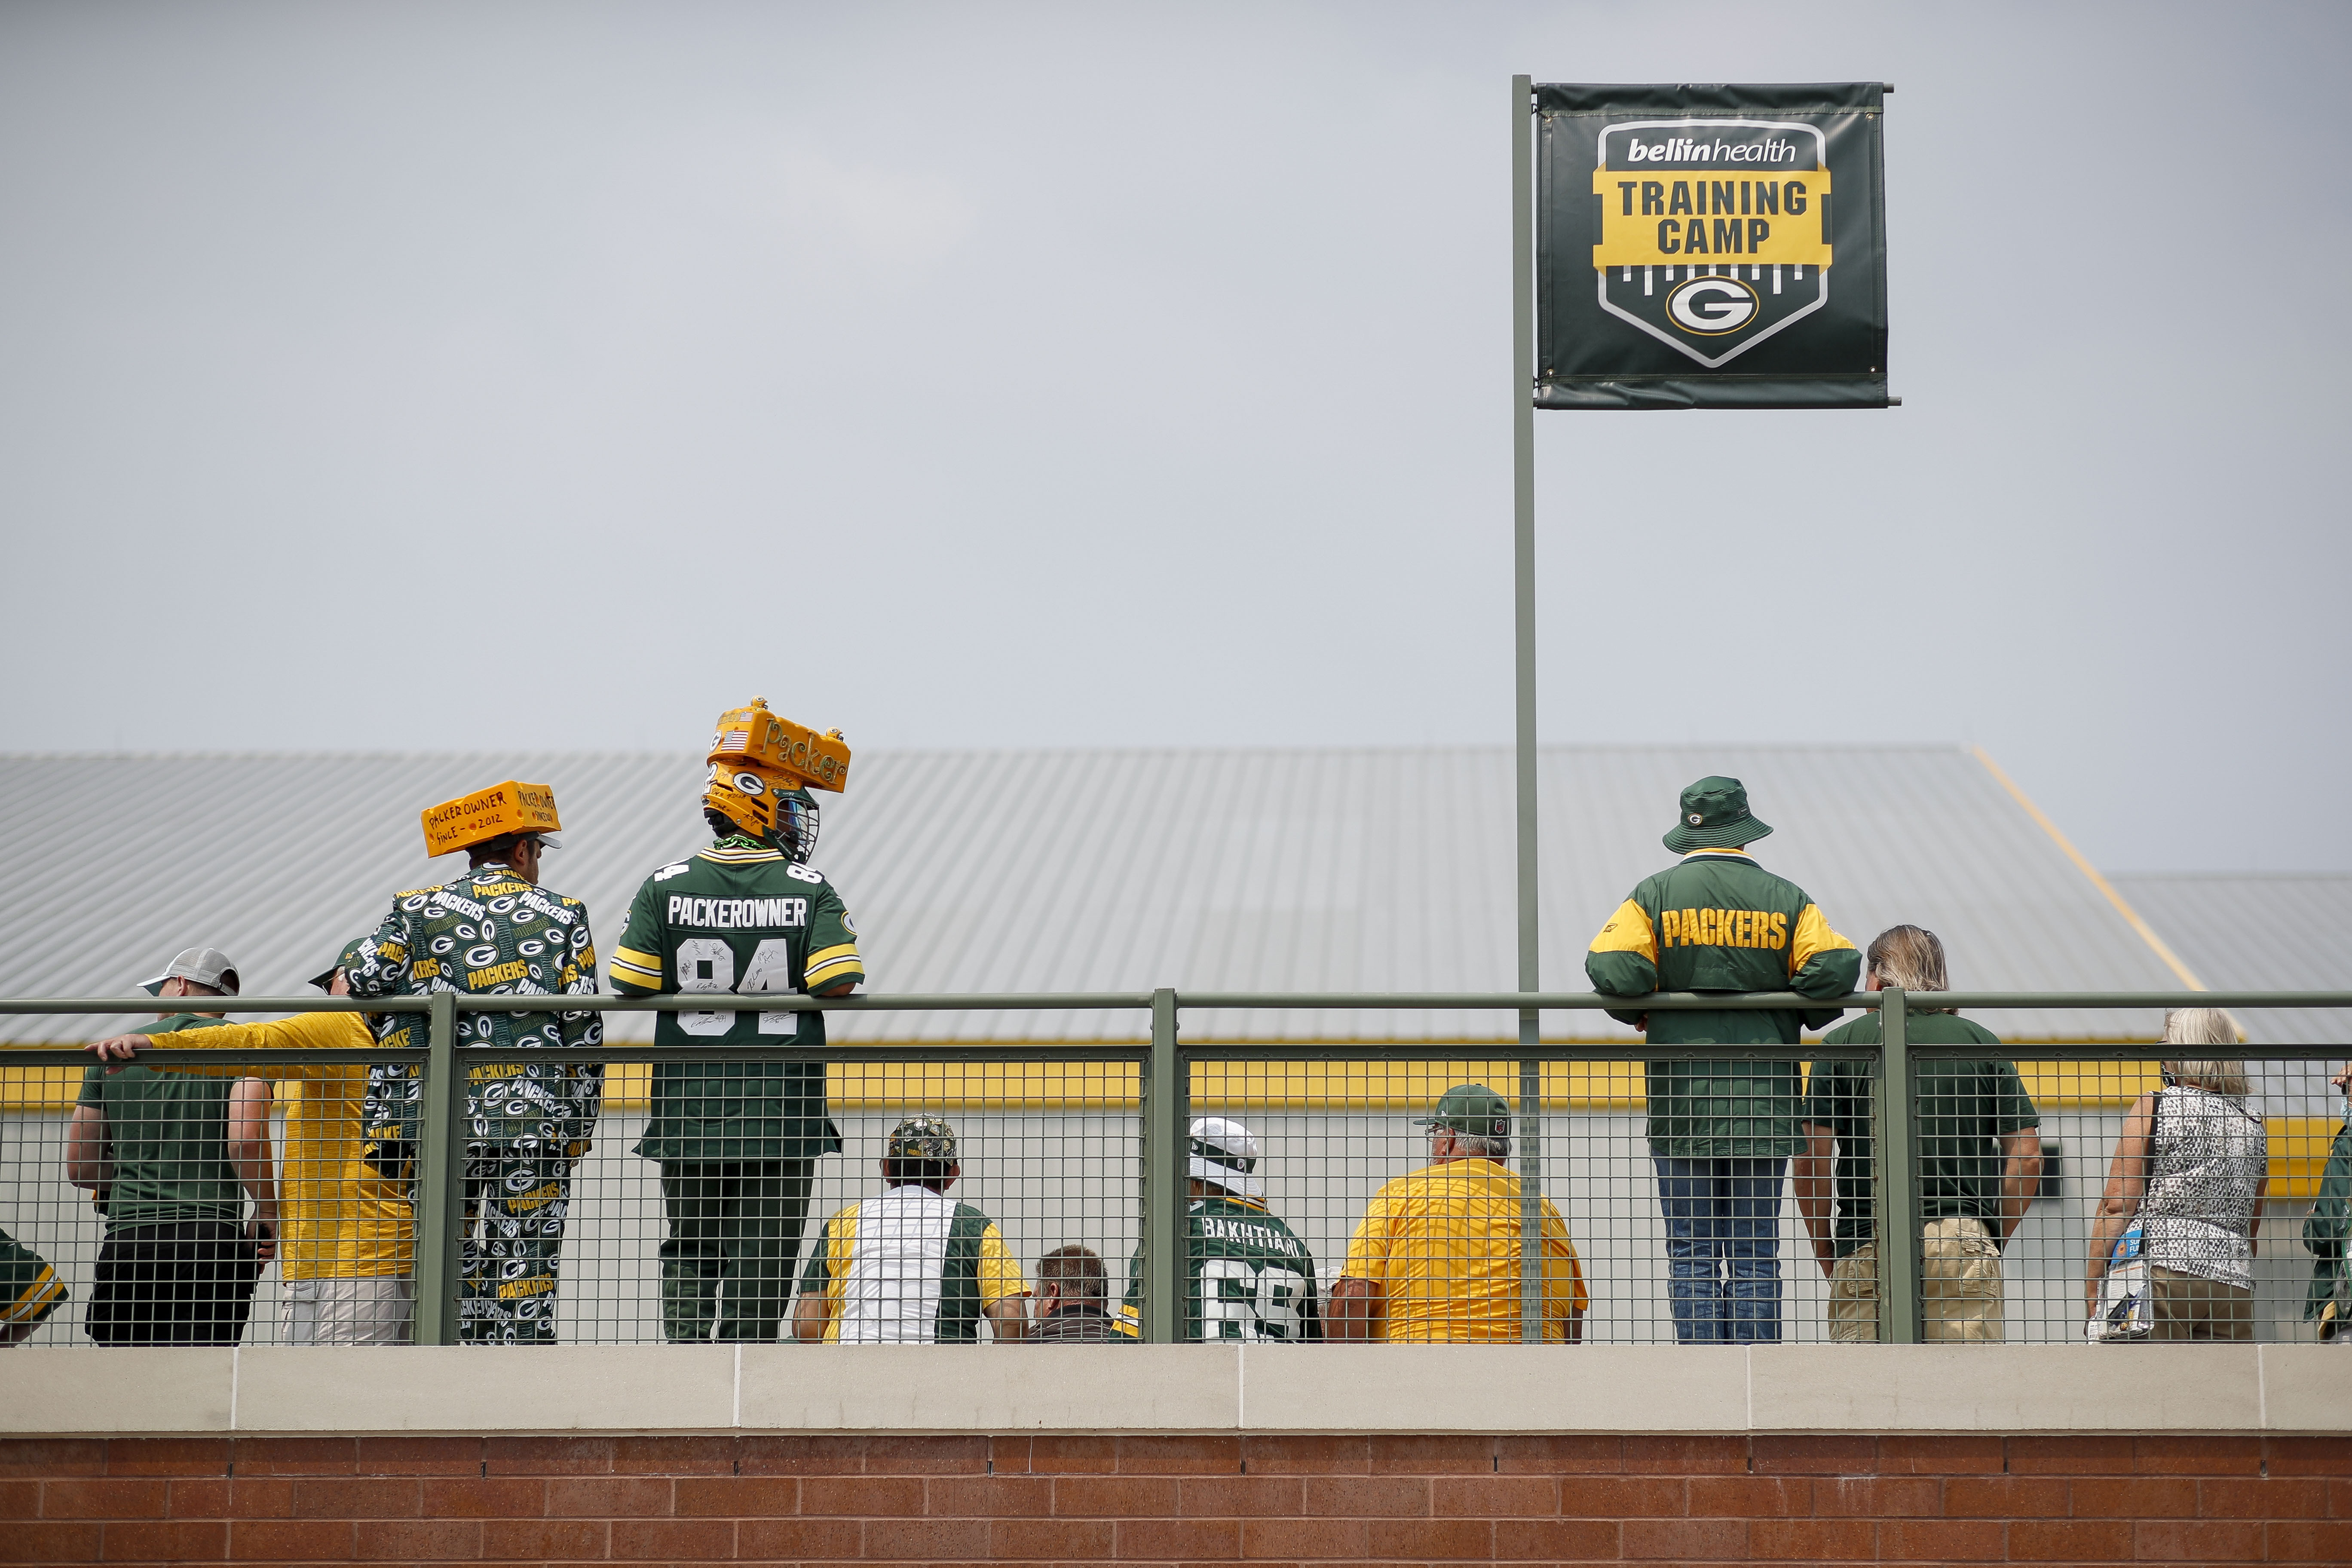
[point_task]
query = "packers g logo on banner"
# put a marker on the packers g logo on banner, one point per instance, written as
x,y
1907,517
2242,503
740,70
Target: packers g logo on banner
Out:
x,y
1714,232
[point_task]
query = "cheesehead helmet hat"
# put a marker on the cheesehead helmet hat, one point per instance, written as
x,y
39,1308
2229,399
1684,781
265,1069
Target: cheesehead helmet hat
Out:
x,y
761,769
1714,817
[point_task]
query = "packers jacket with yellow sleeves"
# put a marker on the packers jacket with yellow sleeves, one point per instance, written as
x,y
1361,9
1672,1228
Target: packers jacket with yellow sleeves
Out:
x,y
339,1220
1719,921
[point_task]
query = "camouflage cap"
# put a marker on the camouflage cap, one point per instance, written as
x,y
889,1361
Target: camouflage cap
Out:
x,y
922,1138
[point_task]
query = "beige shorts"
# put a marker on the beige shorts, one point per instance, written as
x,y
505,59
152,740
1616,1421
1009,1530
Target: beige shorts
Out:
x,y
1959,1288
2186,1306
372,1310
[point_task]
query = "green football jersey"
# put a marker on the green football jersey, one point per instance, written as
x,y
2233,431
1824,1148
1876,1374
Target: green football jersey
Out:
x,y
1247,1277
737,919
167,1139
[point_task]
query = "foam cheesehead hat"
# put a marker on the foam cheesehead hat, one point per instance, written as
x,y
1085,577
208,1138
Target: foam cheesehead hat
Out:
x,y
761,767
1714,817
1225,1154
492,812
1472,1109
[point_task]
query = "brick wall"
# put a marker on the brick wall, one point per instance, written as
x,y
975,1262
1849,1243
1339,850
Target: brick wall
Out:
x,y
1177,1500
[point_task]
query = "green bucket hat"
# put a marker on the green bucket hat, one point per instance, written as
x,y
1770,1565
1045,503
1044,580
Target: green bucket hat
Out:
x,y
343,960
1714,817
1471,1108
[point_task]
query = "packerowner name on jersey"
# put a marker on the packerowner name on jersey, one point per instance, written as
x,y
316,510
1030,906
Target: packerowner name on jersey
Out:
x,y
737,914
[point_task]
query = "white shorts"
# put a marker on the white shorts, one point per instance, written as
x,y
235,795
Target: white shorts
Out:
x,y
372,1310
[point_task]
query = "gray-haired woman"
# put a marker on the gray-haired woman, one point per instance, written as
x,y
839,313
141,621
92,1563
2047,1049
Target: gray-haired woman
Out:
x,y
2193,1167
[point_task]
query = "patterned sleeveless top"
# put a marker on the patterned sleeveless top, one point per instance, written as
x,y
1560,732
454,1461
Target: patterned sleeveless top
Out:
x,y
2209,1155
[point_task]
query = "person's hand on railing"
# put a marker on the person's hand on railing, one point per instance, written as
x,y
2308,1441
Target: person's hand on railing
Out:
x,y
116,1050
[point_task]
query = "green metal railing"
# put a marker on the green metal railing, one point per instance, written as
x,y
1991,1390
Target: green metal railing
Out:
x,y
1164,1062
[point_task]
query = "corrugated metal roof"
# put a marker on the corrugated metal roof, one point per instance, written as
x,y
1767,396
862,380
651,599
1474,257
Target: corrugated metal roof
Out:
x,y
1364,869
2278,932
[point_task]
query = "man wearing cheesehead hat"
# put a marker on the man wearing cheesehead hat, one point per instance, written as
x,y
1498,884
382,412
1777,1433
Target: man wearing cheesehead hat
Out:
x,y
738,1143
1247,1275
493,931
345,1237
1722,1130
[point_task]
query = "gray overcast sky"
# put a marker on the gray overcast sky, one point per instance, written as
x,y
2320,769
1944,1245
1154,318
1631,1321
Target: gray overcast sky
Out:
x,y
433,377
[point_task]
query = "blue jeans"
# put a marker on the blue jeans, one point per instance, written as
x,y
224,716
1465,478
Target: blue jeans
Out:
x,y
1723,1247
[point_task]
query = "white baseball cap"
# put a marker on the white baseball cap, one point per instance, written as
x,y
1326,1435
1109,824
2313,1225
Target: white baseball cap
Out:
x,y
1225,1154
207,966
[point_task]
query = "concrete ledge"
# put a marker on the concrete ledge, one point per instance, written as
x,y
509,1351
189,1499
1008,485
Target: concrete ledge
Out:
x,y
1181,1389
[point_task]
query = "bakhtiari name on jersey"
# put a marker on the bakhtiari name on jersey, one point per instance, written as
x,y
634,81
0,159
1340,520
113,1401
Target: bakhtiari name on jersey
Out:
x,y
1248,1235
737,914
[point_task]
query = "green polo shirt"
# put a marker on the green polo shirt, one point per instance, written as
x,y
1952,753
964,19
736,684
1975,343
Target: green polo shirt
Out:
x,y
167,1137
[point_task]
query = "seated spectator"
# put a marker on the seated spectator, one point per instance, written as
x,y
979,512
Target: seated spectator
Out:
x,y
913,1266
1436,1257
171,1160
1980,1159
2329,1226
1073,1297
1246,1274
2193,1167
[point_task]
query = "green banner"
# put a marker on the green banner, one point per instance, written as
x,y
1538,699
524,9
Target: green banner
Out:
x,y
1710,246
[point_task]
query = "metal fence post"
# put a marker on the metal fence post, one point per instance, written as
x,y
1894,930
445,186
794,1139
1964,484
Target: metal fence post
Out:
x,y
439,1180
1898,1206
1531,1250
1523,615
1165,1120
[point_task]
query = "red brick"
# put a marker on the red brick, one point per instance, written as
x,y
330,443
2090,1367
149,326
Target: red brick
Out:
x,y
1306,1538
198,1497
548,1455
921,1539
1433,1540
1942,1540
779,1455
1813,1540
2069,1540
1748,1497
926,1456
1062,1539
1175,1539
1878,1497
2199,1456
734,1497
1180,1456
296,1456
419,1456
2069,1455
43,1457
1405,1453
889,1497
372,1497
541,1539
674,1456
1687,1455
2007,1497
2133,1497
1071,1456
2339,1498
675,1539
796,1540
420,1540
1815,1456
1230,1497
2280,1496
167,1457
1556,1540
2198,1540
989,1497
1940,1455
290,1540
1115,1497
1691,1539
2309,1456
1494,1497
1561,1455
20,1499
483,1497
261,1496
1306,1455
1360,1497
2308,1540
1623,1497
167,1541
78,1497
75,1541
609,1496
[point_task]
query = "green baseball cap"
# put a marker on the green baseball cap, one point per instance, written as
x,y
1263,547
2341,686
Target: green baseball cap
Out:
x,y
344,960
1471,1108
1714,817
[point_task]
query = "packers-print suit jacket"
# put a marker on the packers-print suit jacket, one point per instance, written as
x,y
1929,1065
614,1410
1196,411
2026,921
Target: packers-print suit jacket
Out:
x,y
488,933
1719,921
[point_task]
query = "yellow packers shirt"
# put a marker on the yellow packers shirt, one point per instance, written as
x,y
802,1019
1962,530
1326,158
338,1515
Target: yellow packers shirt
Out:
x,y
1442,1245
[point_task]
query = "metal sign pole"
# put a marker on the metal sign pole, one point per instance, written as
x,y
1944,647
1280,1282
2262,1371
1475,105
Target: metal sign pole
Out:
x,y
1523,601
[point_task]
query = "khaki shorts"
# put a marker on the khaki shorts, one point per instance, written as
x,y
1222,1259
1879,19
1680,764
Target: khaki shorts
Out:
x,y
372,1310
2186,1306
1959,1288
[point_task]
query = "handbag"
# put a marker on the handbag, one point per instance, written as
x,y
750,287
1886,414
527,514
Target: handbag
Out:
x,y
2124,1311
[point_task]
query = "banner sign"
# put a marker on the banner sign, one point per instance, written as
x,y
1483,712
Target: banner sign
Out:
x,y
1707,246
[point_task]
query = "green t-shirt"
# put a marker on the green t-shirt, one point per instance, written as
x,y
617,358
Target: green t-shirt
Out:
x,y
167,1138
1247,1274
1965,1109
737,919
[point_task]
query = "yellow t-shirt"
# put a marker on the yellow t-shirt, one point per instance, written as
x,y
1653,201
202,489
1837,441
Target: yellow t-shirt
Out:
x,y
1440,1247
338,1220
